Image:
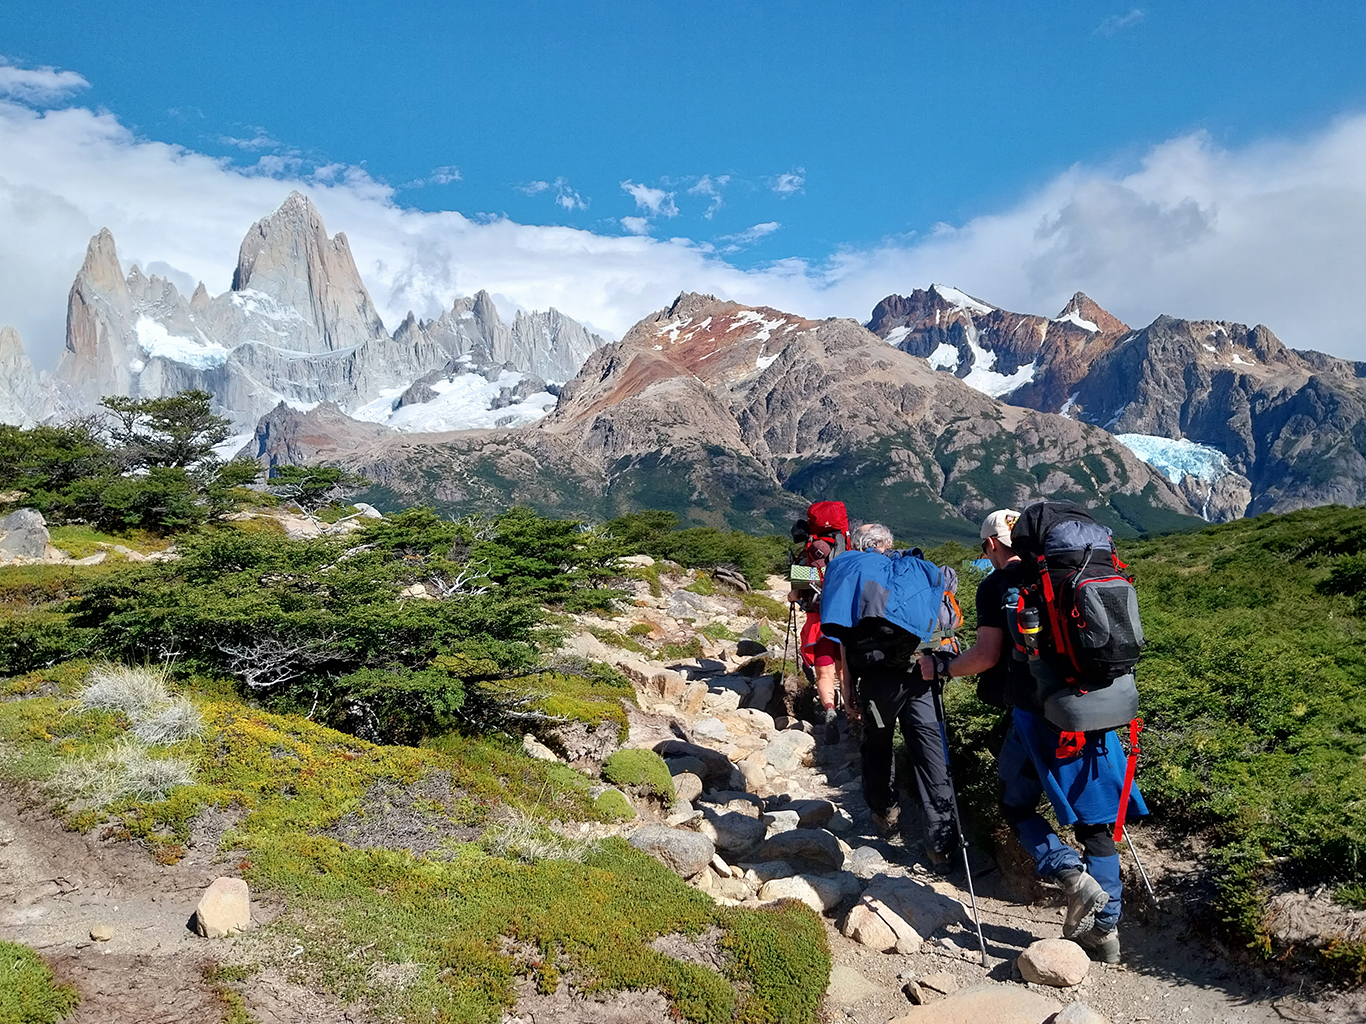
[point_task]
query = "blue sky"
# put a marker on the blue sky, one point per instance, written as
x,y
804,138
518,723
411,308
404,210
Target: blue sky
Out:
x,y
893,116
785,142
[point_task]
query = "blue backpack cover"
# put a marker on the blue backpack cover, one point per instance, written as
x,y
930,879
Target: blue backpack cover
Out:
x,y
881,606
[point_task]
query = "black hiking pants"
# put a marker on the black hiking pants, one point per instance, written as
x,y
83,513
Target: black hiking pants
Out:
x,y
888,696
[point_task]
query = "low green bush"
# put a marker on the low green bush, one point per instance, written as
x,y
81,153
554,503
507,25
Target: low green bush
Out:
x,y
612,804
643,769
29,994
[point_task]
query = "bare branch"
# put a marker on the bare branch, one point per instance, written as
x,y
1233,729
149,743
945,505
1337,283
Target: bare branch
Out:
x,y
267,662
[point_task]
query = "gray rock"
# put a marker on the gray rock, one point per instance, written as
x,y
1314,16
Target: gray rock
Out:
x,y
684,604
866,862
820,892
761,692
102,932
687,785
736,834
781,820
1080,1013
713,763
813,846
941,982
685,765
789,750
23,534
710,729
685,853
748,648
720,702
1060,963
733,800
985,1004
922,907
847,987
812,813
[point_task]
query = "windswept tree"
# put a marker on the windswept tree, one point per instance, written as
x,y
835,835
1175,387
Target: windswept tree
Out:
x,y
174,432
313,487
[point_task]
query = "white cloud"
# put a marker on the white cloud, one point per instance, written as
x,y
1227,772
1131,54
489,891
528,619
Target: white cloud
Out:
x,y
566,196
789,183
259,139
655,202
1265,233
711,188
1119,22
636,225
749,236
41,86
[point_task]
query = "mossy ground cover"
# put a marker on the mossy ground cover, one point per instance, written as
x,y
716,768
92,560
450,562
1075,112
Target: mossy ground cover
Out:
x,y
471,921
29,994
1253,688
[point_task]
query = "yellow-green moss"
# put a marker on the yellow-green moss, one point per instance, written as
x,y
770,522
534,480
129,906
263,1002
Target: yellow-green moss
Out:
x,y
762,605
643,769
612,804
702,585
29,994
640,629
355,910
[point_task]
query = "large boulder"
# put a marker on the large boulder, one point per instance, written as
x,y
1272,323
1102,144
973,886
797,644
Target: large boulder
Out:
x,y
1060,963
790,749
925,909
683,852
734,832
876,925
684,604
820,892
715,765
23,534
814,846
985,1004
224,909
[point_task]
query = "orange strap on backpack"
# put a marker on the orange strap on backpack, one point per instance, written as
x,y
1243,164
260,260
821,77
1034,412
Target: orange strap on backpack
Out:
x,y
1135,727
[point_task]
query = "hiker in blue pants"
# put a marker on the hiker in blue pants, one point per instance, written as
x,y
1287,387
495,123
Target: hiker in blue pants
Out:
x,y
1082,774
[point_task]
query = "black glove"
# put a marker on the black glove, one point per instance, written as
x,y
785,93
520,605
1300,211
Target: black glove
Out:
x,y
941,661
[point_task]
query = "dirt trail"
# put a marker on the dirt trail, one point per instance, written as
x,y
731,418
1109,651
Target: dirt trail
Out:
x,y
1170,973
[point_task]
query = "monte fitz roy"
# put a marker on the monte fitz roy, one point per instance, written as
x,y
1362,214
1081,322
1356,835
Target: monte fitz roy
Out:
x,y
937,410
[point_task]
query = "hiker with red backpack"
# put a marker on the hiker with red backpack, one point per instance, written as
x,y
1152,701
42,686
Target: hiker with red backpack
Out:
x,y
823,534
1057,640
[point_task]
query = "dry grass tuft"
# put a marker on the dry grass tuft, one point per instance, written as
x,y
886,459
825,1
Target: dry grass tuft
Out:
x,y
125,770
519,836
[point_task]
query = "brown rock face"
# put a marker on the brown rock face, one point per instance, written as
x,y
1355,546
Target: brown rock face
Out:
x,y
741,415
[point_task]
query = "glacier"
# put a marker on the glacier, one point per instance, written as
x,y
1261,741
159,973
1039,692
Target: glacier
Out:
x,y
464,402
1176,458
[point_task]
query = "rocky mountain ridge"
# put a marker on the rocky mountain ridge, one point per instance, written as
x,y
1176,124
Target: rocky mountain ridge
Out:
x,y
741,415
298,326
1290,425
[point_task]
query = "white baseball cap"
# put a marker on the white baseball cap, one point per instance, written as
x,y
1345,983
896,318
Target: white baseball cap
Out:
x,y
999,524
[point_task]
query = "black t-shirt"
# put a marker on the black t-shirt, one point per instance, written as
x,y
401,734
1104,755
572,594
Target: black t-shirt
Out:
x,y
1009,683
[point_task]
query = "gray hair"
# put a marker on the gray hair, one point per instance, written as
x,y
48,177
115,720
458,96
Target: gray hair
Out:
x,y
871,537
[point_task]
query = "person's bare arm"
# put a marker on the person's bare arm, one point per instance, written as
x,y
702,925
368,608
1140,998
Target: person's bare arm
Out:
x,y
981,656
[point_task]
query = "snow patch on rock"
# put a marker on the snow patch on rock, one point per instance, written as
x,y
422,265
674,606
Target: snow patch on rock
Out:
x,y
156,341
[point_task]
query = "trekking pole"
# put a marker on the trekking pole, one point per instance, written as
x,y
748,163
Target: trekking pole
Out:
x,y
787,639
937,692
1142,872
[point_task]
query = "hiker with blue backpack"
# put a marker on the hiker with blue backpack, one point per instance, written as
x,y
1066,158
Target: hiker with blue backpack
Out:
x,y
1058,636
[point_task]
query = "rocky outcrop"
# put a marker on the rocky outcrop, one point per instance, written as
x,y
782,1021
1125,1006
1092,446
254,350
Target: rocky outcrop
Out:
x,y
740,415
1291,423
21,395
297,326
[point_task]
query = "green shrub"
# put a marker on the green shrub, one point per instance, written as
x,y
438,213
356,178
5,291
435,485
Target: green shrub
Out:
x,y
612,804
702,585
717,631
640,629
626,643
761,605
679,652
643,769
29,994
656,533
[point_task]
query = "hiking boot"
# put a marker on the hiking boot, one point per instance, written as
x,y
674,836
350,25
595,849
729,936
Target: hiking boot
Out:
x,y
887,824
940,862
832,727
1101,946
1085,899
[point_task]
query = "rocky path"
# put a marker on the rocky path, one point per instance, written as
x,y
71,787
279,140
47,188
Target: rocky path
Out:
x,y
785,818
